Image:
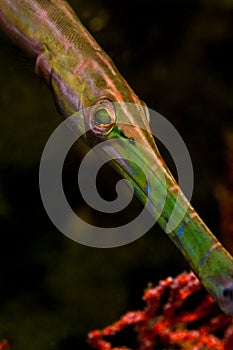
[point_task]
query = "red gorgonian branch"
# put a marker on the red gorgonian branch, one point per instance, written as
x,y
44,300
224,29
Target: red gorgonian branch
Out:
x,y
178,313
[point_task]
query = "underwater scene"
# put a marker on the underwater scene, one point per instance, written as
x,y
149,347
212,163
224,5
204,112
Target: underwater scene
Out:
x,y
177,56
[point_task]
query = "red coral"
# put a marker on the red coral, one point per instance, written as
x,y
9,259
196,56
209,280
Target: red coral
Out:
x,y
179,313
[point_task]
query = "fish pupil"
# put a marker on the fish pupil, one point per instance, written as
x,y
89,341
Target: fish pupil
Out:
x,y
102,117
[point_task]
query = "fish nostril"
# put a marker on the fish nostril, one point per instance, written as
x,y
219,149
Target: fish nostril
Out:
x,y
228,293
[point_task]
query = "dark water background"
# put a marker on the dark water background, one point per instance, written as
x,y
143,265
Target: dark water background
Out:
x,y
177,56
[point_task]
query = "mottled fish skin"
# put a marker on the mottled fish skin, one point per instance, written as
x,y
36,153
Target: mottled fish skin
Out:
x,y
81,75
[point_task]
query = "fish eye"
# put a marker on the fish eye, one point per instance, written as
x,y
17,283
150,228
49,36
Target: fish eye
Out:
x,y
102,117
